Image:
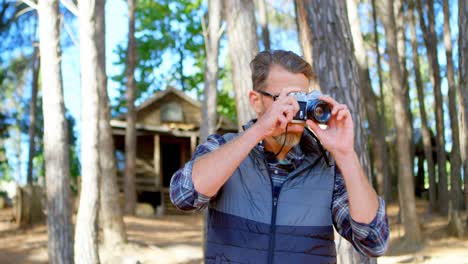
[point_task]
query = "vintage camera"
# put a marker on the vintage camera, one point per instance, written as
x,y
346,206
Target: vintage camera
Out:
x,y
310,107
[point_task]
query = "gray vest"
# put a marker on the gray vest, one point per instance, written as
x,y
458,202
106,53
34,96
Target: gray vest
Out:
x,y
248,225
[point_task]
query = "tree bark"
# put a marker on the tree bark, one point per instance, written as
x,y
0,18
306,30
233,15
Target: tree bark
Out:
x,y
463,87
243,46
86,240
430,40
401,23
304,37
455,161
212,37
263,19
110,213
33,113
337,73
406,184
387,181
426,134
57,162
130,130
378,138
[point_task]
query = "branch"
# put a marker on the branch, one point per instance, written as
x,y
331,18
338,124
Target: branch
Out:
x,y
30,3
70,6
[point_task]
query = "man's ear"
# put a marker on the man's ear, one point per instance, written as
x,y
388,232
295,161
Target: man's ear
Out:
x,y
256,102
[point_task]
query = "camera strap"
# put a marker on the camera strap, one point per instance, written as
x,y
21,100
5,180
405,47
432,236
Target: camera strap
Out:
x,y
321,148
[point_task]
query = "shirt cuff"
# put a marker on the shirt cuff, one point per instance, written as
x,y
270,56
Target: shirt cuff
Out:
x,y
361,230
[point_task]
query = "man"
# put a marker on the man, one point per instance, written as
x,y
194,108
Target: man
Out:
x,y
272,197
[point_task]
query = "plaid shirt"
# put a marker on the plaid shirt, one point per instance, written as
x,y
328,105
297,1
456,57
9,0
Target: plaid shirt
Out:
x,y
369,239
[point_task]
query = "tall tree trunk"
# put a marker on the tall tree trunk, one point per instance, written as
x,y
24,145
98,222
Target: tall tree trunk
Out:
x,y
57,162
130,130
405,180
263,19
378,138
110,213
33,113
304,36
387,181
401,23
243,46
86,240
430,40
335,66
463,87
455,161
426,134
212,37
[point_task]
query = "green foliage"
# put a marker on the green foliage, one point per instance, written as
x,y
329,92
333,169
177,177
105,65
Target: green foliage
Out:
x,y
170,48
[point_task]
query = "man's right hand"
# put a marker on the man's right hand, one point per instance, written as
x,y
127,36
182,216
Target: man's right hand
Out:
x,y
278,114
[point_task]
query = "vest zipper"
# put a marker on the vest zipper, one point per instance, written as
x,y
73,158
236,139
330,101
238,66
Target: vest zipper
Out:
x,y
272,241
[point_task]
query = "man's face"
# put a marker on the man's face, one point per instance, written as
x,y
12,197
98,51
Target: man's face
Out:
x,y
278,79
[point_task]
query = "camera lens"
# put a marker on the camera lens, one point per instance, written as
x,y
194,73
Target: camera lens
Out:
x,y
319,111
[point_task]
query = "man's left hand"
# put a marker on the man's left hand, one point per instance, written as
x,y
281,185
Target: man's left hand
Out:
x,y
338,137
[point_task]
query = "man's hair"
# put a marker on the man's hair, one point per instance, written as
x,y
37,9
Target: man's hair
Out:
x,y
288,60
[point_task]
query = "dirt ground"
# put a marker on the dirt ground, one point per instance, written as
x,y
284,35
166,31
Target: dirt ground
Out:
x,y
177,239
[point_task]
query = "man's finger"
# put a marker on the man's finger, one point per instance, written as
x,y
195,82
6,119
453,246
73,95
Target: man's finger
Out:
x,y
338,107
329,100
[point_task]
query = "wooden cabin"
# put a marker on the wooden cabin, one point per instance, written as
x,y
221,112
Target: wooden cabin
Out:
x,y
167,127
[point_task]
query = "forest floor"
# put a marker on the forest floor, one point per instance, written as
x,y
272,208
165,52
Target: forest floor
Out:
x,y
177,239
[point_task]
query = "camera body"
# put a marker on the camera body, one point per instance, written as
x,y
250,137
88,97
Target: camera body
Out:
x,y
310,107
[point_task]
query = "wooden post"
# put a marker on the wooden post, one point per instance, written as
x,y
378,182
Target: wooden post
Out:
x,y
157,161
193,144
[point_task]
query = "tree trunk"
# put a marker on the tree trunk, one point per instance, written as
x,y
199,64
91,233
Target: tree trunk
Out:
x,y
304,37
263,19
401,23
130,130
57,162
86,243
110,213
405,180
378,138
426,134
430,40
387,181
243,46
463,87
212,37
455,187
33,113
337,73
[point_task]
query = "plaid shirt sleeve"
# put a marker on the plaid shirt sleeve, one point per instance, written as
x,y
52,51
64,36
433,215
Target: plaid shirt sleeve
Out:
x,y
368,239
182,192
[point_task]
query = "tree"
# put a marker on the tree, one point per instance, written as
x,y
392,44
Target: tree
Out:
x,y
212,36
110,213
33,113
335,66
455,160
378,138
86,244
426,134
463,86
405,175
304,35
263,20
59,209
243,46
430,40
130,130
387,181
165,29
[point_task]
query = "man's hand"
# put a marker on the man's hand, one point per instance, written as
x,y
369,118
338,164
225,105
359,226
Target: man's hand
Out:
x,y
338,137
274,120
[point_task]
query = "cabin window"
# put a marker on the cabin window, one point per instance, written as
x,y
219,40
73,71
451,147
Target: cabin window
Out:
x,y
172,112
